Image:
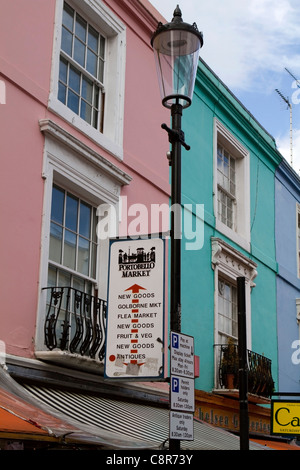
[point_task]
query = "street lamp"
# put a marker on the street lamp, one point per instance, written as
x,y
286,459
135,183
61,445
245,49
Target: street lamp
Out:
x,y
176,48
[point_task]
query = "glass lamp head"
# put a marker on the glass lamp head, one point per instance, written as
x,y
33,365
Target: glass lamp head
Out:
x,y
176,48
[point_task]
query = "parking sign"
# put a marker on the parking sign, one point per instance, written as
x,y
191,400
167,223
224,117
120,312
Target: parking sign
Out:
x,y
182,355
182,394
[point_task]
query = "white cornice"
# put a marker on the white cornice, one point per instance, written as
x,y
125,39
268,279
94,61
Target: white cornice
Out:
x,y
232,262
52,129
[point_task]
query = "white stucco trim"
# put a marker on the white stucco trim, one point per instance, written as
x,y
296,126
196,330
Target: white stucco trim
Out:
x,y
231,264
76,167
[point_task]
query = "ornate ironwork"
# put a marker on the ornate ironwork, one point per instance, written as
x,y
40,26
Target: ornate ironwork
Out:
x,y
75,322
260,381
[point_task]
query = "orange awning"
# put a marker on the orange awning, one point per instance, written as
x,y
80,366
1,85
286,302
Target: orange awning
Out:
x,y
22,420
15,427
276,445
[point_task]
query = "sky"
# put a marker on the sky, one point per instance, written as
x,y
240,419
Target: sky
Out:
x,y
253,46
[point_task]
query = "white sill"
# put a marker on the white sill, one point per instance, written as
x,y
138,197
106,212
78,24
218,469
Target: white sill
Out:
x,y
69,360
65,113
233,236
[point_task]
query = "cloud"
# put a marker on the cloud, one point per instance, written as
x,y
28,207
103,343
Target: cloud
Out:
x,y
248,44
251,41
245,41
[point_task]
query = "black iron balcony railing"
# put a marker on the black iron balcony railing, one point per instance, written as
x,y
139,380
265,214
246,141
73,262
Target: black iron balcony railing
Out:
x,y
75,322
260,381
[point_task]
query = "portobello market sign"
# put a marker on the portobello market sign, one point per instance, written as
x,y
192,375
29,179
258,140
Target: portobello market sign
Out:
x,y
135,309
285,417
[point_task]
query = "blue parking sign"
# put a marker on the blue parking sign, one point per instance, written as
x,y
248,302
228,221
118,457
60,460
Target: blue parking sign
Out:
x,y
175,385
175,341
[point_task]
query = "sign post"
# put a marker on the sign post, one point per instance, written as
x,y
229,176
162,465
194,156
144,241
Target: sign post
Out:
x,y
135,317
182,387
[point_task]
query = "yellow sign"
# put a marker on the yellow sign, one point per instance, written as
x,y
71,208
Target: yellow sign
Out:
x,y
285,417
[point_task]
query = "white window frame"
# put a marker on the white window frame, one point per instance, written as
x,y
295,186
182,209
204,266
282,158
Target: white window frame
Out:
x,y
228,263
105,22
240,233
75,167
229,194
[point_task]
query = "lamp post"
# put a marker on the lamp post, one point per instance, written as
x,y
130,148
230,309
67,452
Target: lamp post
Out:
x,y
176,48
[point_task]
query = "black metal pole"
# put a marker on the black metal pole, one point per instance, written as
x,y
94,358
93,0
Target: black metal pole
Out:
x,y
175,308
175,275
243,367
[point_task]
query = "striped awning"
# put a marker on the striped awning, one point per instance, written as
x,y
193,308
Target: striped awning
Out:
x,y
141,425
21,420
24,416
73,417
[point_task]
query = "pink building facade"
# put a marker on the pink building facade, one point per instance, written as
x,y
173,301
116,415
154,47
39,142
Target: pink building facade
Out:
x,y
80,129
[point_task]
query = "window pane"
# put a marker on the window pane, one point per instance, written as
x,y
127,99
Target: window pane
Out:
x,y
57,207
68,15
89,288
101,71
87,90
64,278
85,220
96,97
80,28
83,256
86,112
66,41
232,188
95,119
63,71
70,249
55,242
93,39
102,46
226,161
52,277
79,52
62,93
78,283
227,309
52,282
91,63
73,101
229,217
93,260
94,226
74,80
71,213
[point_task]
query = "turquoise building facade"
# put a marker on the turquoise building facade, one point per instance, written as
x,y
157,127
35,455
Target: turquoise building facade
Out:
x,y
228,197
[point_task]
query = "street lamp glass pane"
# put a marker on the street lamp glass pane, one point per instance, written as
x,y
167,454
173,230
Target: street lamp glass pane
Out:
x,y
176,56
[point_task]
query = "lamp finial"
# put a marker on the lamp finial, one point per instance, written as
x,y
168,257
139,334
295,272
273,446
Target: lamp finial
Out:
x,y
177,15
